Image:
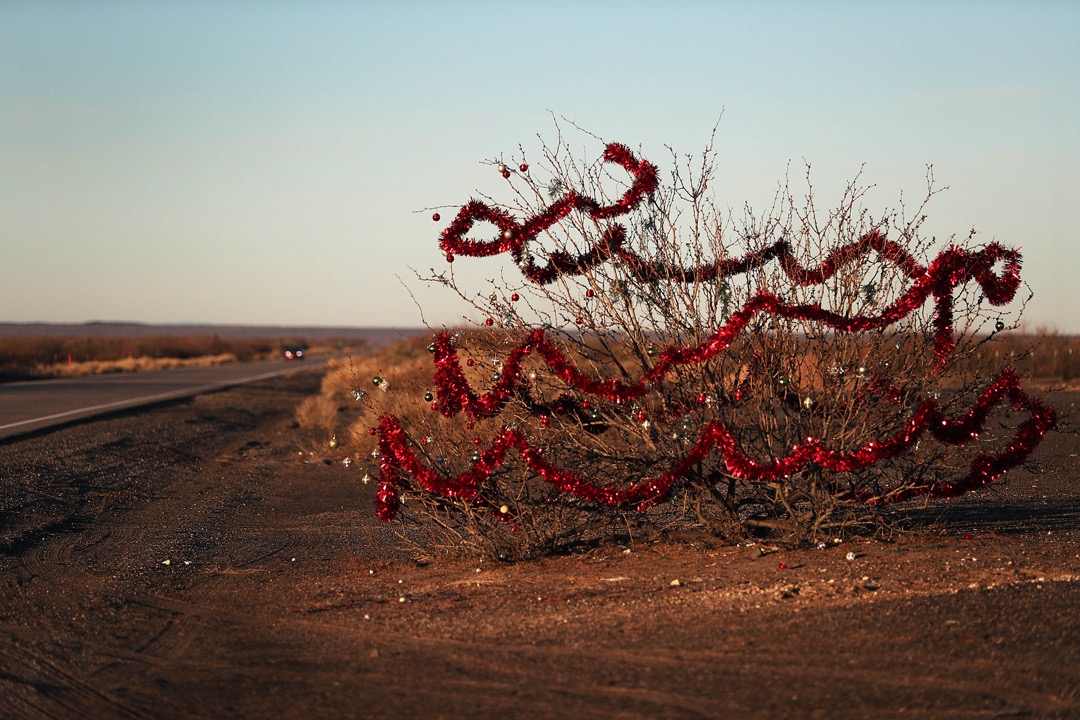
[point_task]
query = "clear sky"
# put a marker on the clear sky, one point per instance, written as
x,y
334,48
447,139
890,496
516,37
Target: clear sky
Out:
x,y
264,162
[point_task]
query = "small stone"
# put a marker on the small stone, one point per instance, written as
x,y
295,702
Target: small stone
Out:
x,y
166,562
675,583
850,556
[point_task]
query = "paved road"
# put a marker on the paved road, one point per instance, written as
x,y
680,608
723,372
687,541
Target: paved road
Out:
x,y
31,406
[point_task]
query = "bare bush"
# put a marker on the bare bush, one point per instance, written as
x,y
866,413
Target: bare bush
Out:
x,y
686,367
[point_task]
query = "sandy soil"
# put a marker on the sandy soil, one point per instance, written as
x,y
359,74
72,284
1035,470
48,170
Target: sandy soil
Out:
x,y
200,561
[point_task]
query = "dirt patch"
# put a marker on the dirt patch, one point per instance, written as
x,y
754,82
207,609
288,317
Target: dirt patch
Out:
x,y
202,561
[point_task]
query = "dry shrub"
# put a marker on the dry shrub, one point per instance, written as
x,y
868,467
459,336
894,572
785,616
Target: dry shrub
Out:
x,y
782,382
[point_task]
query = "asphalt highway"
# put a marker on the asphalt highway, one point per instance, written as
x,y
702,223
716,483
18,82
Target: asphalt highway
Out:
x,y
27,407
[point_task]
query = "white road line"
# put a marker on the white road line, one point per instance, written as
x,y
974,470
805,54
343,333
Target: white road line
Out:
x,y
150,398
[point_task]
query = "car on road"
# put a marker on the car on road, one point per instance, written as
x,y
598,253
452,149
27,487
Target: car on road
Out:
x,y
293,352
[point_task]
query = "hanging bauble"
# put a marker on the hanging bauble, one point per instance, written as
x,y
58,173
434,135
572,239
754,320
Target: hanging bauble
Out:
x,y
489,322
650,351
428,396
523,167
431,348
589,293
783,380
436,217
999,325
515,297
861,370
377,381
500,168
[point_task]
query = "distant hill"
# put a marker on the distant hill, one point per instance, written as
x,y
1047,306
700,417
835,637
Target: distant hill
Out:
x,y
374,335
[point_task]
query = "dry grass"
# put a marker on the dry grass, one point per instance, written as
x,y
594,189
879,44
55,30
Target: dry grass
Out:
x,y
138,364
50,357
335,412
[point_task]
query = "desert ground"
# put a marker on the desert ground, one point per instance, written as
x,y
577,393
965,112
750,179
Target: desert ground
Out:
x,y
201,560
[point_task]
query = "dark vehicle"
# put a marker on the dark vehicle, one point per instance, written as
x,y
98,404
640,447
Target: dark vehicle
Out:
x,y
294,352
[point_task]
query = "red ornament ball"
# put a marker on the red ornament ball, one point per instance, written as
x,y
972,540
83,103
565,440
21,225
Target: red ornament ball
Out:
x,y
515,297
640,417
372,431
701,399
470,362
544,420
489,322
449,257
578,320
589,293
506,174
782,566
436,217
523,167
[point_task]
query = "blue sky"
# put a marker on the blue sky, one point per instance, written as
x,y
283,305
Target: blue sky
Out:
x,y
264,162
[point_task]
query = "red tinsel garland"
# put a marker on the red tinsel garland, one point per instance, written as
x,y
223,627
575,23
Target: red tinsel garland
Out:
x,y
951,268
397,456
456,395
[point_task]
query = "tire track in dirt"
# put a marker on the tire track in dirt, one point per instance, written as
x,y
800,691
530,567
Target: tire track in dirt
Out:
x,y
40,688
